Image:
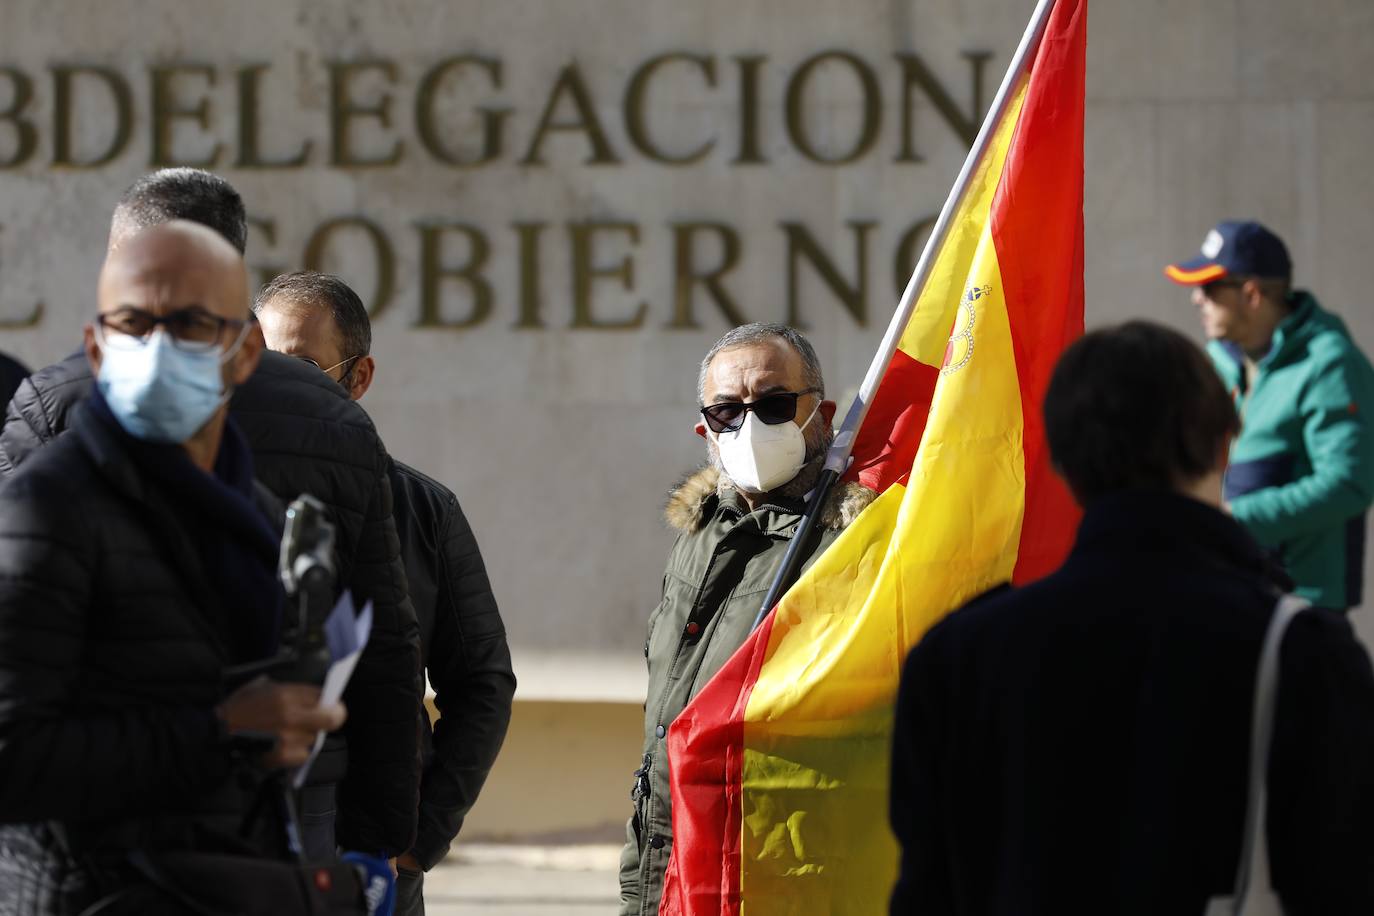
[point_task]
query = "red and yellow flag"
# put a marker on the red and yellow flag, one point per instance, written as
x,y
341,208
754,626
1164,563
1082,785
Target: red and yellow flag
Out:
x,y
780,765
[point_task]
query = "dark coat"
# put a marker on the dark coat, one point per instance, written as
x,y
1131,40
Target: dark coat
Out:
x,y
12,372
1081,744
308,437
465,654
112,654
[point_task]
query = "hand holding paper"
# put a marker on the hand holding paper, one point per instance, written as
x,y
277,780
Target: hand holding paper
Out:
x,y
289,714
346,635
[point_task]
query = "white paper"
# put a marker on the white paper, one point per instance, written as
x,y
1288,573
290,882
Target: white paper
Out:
x,y
340,670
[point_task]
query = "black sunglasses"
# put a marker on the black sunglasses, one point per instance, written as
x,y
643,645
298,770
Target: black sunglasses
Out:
x,y
1210,290
772,409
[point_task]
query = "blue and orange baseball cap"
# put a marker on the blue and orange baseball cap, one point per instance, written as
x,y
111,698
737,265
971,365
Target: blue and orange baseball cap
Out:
x,y
1231,249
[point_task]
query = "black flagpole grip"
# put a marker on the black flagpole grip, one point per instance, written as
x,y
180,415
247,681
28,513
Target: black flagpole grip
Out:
x,y
792,559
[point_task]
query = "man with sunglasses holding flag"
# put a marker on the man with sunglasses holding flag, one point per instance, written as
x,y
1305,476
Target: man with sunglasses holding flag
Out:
x,y
1301,476
767,426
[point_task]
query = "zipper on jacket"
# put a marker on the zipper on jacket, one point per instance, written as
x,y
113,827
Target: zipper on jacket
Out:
x,y
642,788
645,849
1250,372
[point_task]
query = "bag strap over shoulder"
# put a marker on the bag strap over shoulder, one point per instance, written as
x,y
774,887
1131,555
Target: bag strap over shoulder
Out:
x,y
1253,881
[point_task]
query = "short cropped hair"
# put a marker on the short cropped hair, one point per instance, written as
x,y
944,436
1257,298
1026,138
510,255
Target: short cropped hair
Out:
x,y
1275,289
1137,406
183,193
753,333
311,288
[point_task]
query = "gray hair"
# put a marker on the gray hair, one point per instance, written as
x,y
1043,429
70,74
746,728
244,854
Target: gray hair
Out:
x,y
753,333
312,289
182,193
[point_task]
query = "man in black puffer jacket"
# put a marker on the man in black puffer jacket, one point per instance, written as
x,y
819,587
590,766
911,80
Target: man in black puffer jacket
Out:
x,y
320,321
137,566
306,437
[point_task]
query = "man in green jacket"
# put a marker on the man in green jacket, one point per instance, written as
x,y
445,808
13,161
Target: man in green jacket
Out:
x,y
1301,475
767,427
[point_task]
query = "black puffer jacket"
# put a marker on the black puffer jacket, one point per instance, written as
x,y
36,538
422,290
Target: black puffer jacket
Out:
x,y
465,650
112,650
308,437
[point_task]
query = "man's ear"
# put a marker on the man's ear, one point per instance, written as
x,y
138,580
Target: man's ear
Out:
x,y
1252,292
700,428
245,362
1223,455
364,371
828,412
91,347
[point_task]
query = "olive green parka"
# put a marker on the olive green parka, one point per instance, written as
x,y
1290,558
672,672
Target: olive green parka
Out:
x,y
718,574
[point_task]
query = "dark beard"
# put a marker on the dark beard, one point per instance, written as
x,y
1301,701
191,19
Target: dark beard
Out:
x,y
806,478
817,445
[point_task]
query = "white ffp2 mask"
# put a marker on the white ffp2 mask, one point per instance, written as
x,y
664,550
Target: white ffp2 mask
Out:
x,y
758,457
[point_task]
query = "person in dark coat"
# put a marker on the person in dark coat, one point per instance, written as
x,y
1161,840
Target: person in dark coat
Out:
x,y
306,437
1081,744
320,321
137,567
12,372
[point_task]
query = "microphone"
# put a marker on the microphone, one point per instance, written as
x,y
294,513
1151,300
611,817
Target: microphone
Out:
x,y
307,572
305,566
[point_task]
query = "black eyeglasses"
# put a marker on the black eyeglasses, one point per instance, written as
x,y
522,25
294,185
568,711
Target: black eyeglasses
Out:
x,y
193,329
772,409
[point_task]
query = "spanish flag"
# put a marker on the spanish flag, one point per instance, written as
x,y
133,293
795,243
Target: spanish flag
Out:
x,y
780,764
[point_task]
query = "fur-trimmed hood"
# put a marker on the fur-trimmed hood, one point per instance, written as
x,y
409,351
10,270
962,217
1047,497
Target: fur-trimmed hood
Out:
x,y
687,504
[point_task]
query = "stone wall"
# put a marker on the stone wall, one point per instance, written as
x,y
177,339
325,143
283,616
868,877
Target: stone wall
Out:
x,y
554,208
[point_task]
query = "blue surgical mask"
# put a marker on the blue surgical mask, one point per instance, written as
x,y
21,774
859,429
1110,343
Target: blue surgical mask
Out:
x,y
159,392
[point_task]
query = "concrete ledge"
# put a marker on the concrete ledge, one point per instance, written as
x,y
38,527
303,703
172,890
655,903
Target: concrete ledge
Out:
x,y
604,857
580,677
563,776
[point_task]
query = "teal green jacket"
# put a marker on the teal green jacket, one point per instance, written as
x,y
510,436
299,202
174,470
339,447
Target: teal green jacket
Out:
x,y
1301,476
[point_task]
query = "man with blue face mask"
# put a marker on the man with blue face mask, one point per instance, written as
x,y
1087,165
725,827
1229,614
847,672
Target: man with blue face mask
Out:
x,y
306,437
138,565
766,423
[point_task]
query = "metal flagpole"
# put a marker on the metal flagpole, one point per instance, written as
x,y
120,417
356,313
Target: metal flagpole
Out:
x,y
837,459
